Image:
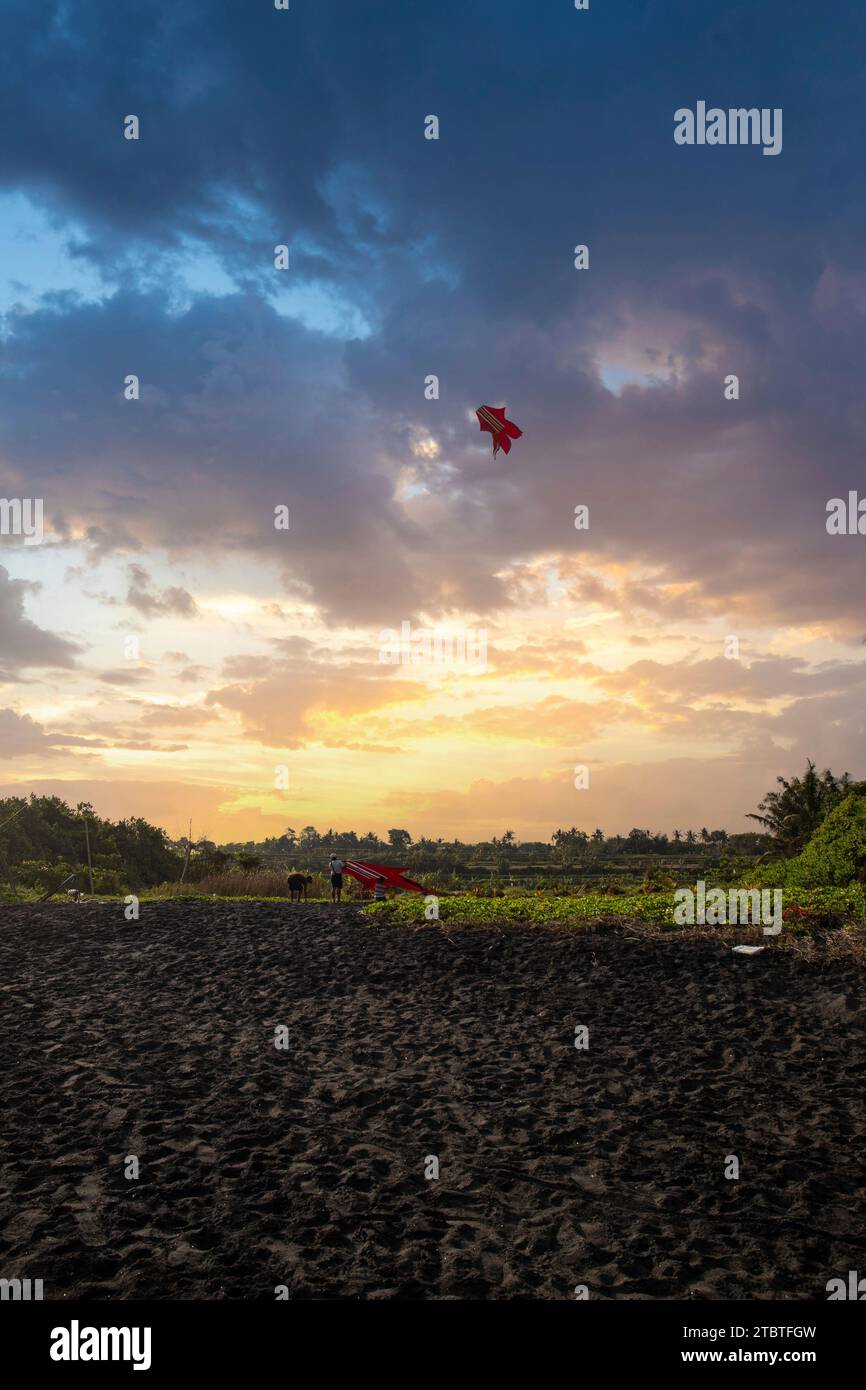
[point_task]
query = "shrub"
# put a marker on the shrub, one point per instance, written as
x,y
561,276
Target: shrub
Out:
x,y
41,875
105,881
836,854
835,857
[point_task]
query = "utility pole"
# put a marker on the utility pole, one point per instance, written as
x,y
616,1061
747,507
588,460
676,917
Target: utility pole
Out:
x,y
188,853
89,862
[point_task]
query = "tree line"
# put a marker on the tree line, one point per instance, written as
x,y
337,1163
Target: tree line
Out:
x,y
565,848
41,837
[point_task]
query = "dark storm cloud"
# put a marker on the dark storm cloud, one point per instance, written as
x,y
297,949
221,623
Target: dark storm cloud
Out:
x,y
557,127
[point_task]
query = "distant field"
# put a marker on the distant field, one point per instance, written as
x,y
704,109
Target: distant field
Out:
x,y
622,873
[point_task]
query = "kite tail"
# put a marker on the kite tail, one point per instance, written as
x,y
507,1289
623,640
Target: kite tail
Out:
x,y
504,444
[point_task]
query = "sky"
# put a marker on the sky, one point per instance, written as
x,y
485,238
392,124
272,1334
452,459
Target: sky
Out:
x,y
173,649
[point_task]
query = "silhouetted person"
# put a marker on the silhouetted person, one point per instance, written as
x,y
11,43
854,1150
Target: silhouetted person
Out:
x,y
335,867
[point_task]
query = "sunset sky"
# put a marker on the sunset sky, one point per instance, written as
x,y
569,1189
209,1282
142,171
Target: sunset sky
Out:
x,y
260,388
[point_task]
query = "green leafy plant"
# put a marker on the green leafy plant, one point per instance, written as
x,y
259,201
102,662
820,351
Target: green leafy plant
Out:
x,y
792,814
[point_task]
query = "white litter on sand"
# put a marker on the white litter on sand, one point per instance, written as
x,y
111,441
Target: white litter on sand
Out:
x,y
749,950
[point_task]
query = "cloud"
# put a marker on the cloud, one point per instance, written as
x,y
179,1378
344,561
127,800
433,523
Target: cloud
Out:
x,y
132,676
660,795
177,716
555,721
21,736
305,388
164,802
289,711
754,681
249,400
23,645
172,600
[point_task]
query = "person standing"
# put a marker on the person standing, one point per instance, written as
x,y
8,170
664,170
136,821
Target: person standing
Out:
x,y
335,866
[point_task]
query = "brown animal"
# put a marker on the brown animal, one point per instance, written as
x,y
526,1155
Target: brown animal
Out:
x,y
298,883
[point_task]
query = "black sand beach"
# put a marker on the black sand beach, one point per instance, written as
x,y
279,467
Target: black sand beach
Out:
x,y
306,1167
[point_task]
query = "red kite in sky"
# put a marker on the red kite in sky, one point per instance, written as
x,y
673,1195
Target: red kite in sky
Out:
x,y
367,874
493,420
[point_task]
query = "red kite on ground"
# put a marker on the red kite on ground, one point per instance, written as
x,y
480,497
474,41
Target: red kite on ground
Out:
x,y
492,419
366,874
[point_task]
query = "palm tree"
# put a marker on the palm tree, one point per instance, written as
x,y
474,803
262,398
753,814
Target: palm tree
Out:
x,y
790,816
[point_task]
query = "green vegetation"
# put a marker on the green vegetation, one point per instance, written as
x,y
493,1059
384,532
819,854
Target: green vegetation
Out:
x,y
834,857
836,854
791,816
43,841
815,905
814,849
